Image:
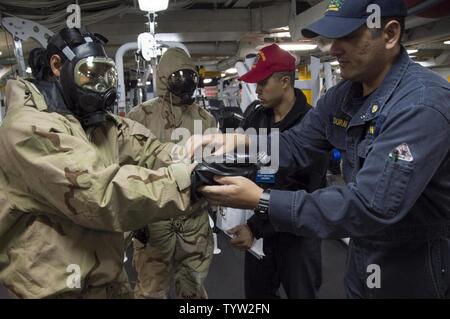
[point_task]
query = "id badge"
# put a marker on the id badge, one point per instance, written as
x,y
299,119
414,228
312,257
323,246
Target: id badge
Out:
x,y
265,176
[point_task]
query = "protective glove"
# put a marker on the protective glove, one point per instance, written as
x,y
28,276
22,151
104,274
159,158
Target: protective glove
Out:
x,y
231,165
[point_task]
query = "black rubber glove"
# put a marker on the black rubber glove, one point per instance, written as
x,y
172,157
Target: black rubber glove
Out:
x,y
232,165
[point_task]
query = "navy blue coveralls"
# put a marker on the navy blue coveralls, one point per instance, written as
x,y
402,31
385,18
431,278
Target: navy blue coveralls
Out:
x,y
396,164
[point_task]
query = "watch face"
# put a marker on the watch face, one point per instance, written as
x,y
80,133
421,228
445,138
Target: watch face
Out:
x,y
263,205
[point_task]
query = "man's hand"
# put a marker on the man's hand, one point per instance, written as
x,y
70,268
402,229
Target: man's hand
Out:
x,y
243,237
236,192
222,143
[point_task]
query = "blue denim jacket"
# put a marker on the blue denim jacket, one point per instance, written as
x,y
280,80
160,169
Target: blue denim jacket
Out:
x,y
396,161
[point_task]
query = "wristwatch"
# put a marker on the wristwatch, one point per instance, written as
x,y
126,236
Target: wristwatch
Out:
x,y
262,209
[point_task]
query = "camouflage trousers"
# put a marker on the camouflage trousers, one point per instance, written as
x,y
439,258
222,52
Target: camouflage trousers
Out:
x,y
181,249
117,289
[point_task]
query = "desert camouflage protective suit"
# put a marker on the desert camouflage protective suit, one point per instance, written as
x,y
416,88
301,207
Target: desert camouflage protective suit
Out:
x,y
178,248
68,195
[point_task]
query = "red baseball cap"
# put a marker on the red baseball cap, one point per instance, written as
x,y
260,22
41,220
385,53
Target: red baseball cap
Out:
x,y
271,59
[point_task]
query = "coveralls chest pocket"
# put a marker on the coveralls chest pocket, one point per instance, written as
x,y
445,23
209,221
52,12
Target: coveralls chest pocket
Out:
x,y
396,170
392,185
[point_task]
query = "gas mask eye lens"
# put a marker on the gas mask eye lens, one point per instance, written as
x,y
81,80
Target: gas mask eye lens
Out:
x,y
183,82
97,74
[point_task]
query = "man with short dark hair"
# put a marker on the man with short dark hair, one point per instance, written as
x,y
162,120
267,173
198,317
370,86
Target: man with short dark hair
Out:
x,y
390,117
290,260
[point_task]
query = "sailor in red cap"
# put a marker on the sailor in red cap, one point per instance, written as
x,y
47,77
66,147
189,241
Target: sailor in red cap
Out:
x,y
274,73
270,59
291,261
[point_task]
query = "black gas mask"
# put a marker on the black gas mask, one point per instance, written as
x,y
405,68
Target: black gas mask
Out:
x,y
183,84
88,79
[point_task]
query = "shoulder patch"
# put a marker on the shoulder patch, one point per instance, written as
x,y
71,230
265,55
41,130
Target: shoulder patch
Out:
x,y
402,153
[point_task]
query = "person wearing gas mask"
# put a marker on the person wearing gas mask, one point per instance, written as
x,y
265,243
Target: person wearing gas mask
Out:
x,y
74,177
178,249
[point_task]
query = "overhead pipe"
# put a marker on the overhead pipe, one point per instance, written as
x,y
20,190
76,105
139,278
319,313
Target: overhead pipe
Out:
x,y
424,6
437,32
227,64
247,45
440,60
174,44
121,104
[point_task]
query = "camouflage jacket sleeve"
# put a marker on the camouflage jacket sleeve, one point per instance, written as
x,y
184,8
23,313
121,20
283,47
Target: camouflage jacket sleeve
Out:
x,y
67,175
138,146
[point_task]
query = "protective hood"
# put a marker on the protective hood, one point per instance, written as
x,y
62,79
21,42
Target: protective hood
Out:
x,y
173,60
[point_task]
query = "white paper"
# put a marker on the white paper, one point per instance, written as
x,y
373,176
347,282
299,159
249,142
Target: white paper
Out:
x,y
232,217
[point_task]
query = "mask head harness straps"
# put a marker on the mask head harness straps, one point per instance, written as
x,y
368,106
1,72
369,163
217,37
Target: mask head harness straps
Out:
x,y
73,45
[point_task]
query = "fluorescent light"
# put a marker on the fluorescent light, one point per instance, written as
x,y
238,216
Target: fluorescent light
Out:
x,y
231,71
334,63
447,42
412,51
28,70
148,83
298,46
285,34
1,53
207,81
153,5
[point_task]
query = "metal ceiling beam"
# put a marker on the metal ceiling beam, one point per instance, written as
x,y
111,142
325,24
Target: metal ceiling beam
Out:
x,y
298,22
242,4
198,25
424,6
435,31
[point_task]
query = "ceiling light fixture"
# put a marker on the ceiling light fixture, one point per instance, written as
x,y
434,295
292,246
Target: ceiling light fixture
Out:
x,y
280,35
298,46
412,51
153,5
